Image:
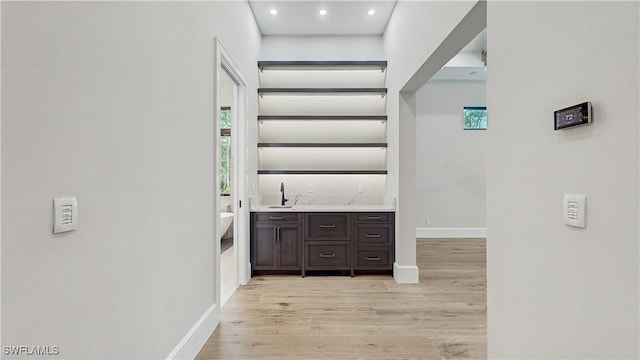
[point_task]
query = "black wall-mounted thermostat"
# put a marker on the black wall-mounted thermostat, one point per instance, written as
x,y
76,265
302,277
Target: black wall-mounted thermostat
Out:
x,y
572,116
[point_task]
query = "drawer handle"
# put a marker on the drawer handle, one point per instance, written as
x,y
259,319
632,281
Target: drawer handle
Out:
x,y
373,235
327,226
276,217
373,217
373,258
327,255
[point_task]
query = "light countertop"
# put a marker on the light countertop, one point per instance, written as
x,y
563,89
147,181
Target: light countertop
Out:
x,y
324,208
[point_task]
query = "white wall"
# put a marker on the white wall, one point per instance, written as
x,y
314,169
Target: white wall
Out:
x,y
322,48
450,161
556,291
414,32
112,103
227,90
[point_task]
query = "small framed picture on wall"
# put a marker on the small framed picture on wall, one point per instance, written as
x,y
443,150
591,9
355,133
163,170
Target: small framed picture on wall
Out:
x,y
474,118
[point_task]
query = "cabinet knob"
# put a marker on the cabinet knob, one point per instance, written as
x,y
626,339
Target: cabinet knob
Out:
x,y
373,217
276,217
373,235
373,258
327,226
327,255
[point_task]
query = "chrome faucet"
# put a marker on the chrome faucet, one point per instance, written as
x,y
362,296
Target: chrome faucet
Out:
x,y
282,190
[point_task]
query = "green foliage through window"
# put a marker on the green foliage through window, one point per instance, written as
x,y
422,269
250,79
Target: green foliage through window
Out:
x,y
474,118
225,151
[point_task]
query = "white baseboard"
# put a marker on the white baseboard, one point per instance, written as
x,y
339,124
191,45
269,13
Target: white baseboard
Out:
x,y
451,232
197,336
246,280
406,274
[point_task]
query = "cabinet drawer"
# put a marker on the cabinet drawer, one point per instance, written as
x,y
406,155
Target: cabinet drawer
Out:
x,y
323,256
374,235
373,258
374,217
277,217
328,226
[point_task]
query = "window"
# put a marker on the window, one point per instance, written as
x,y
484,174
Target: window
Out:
x,y
474,118
225,151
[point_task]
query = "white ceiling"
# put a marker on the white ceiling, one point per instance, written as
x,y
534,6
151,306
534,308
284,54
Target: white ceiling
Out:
x,y
451,73
303,17
467,65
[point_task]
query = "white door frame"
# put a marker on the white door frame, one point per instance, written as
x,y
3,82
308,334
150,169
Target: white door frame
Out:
x,y
224,63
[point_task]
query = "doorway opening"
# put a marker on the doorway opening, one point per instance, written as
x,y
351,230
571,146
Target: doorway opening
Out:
x,y
231,248
451,117
228,273
407,211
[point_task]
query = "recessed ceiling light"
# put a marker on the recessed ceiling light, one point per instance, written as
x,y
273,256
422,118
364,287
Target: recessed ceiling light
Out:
x,y
273,12
371,11
323,12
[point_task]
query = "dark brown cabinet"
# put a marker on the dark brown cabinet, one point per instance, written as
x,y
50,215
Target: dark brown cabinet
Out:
x,y
276,242
327,226
327,241
373,241
371,258
313,241
373,235
327,255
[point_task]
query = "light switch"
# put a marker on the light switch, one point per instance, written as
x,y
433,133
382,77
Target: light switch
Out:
x,y
574,209
65,211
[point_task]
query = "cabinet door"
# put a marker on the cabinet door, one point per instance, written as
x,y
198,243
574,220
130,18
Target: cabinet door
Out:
x,y
272,218
290,247
373,258
373,235
328,255
374,217
264,247
328,226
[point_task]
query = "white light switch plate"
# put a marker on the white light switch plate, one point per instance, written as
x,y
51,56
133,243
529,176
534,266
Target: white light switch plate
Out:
x,y
573,210
65,211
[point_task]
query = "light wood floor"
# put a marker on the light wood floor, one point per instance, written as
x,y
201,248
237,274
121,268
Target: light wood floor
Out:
x,y
365,317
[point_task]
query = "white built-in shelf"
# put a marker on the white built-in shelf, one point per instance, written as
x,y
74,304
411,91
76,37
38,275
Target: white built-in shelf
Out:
x,y
322,104
324,145
322,117
318,157
322,74
322,172
327,130
322,65
327,119
322,91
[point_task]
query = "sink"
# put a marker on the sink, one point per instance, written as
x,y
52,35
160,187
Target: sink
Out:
x,y
280,206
